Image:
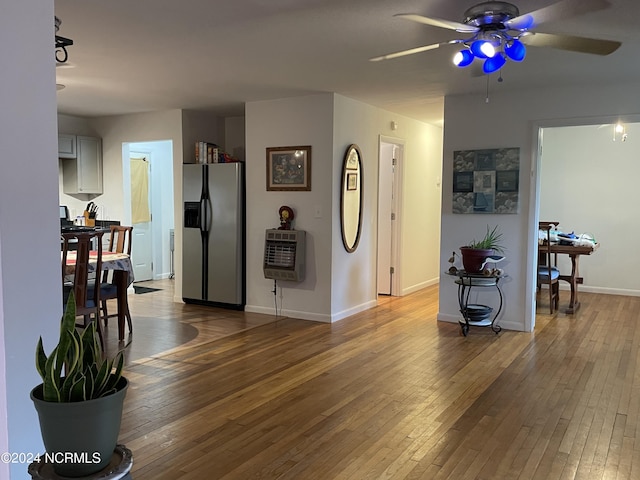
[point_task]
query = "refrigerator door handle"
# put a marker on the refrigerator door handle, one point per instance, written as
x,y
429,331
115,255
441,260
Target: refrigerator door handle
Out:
x,y
204,221
204,236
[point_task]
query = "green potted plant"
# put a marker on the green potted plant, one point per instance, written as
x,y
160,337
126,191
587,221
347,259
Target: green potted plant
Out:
x,y
80,399
475,254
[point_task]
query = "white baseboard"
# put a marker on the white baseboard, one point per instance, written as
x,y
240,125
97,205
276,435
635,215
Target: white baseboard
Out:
x,y
353,310
604,290
506,324
445,317
161,276
315,317
420,286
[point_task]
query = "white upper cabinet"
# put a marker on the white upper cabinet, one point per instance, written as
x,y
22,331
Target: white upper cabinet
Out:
x,y
83,174
67,146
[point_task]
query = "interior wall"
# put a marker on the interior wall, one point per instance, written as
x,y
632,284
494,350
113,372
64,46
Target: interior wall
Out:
x,y
421,205
234,137
72,125
291,122
200,126
4,431
337,283
604,176
30,250
354,275
467,127
144,127
132,128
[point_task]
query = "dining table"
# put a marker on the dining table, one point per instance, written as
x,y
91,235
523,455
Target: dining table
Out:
x,y
574,279
122,267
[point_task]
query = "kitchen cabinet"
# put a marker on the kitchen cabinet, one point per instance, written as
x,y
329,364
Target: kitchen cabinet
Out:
x,y
83,174
66,146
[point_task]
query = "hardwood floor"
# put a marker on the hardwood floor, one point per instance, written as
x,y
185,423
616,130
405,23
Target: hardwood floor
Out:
x,y
161,325
388,393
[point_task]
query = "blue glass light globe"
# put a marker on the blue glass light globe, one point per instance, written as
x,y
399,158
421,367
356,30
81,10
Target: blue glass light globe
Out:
x,y
483,49
494,63
515,50
463,58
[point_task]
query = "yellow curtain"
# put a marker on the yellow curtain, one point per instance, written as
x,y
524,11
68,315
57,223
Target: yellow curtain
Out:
x,y
140,191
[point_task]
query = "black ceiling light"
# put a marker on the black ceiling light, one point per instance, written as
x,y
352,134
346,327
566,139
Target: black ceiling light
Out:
x,y
61,44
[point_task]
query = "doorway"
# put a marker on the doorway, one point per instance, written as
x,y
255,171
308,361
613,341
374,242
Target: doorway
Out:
x,y
601,164
141,205
600,159
150,162
390,156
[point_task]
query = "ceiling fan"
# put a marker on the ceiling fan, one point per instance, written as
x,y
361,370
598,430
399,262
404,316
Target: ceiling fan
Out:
x,y
497,31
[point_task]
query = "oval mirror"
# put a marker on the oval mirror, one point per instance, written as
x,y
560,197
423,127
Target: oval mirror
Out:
x,y
351,198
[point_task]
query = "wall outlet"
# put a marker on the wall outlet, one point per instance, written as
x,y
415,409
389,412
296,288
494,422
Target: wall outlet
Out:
x,y
318,212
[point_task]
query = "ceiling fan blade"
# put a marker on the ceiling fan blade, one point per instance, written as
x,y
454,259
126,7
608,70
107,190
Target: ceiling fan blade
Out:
x,y
437,22
557,11
568,42
411,51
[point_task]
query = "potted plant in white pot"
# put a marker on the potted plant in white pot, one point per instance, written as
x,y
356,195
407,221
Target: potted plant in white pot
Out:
x,y
80,399
475,254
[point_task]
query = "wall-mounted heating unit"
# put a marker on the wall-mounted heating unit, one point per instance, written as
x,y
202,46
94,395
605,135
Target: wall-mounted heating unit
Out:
x,y
284,254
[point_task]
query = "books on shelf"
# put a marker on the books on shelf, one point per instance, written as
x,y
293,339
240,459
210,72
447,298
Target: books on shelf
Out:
x,y
207,152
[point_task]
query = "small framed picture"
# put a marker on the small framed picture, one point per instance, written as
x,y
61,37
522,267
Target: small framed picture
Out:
x,y
352,160
289,168
352,181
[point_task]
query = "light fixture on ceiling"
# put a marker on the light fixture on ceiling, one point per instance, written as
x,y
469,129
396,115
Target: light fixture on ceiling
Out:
x,y
463,58
61,44
497,32
619,130
495,48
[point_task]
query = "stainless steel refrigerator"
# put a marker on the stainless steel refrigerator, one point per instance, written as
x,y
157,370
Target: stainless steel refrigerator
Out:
x,y
213,236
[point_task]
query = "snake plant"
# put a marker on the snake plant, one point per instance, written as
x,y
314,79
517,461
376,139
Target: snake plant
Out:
x,y
76,370
492,240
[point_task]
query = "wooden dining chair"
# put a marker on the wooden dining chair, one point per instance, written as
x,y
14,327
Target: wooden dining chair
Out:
x,y
79,277
548,273
119,242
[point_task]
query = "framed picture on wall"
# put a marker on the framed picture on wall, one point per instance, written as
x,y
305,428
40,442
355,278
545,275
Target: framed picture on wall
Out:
x,y
289,168
486,181
352,181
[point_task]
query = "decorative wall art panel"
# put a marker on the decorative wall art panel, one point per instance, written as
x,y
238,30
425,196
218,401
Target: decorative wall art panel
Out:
x,y
486,181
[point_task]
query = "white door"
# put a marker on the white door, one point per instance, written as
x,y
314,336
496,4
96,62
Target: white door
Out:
x,y
389,185
385,195
142,245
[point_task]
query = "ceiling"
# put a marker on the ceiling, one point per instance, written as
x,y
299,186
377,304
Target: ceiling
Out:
x,y
146,55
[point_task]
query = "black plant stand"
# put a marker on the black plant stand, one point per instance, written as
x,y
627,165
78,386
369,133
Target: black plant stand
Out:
x,y
475,314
